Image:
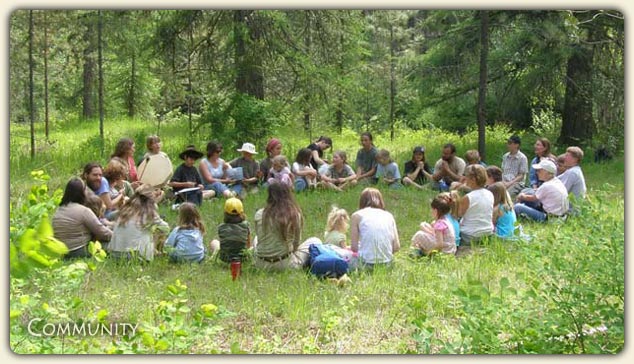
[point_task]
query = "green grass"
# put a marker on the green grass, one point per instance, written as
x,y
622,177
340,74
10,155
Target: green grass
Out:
x,y
505,297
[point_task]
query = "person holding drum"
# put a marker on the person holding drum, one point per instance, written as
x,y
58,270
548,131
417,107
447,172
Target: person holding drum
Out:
x,y
155,168
153,144
186,182
250,170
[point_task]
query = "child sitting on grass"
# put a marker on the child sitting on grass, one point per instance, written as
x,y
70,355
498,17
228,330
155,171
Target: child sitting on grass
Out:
x,y
280,172
234,234
387,169
503,213
185,242
336,230
439,235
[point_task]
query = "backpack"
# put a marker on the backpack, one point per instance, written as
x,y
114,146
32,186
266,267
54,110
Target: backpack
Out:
x,y
325,262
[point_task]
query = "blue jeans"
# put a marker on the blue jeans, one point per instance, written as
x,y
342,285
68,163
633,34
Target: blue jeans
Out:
x,y
523,210
219,187
300,184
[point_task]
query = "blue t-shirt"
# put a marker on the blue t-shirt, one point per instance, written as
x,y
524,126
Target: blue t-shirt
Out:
x,y
104,188
186,245
388,171
456,227
505,225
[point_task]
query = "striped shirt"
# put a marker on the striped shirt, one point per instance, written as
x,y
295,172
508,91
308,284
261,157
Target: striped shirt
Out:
x,y
514,165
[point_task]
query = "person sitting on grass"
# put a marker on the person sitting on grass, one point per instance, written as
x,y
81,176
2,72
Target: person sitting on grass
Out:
x,y
386,170
318,147
186,177
75,224
305,174
373,232
139,231
514,166
213,171
250,169
476,207
551,196
280,172
153,144
449,168
573,177
185,242
494,174
234,234
366,159
339,174
278,229
561,164
273,148
503,214
417,169
115,198
439,236
472,156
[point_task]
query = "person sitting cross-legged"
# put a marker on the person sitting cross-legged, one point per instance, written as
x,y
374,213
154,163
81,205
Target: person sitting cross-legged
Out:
x,y
552,196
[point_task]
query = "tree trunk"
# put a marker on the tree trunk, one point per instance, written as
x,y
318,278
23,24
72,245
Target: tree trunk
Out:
x,y
482,92
577,127
131,97
249,78
31,67
100,65
307,88
88,75
46,115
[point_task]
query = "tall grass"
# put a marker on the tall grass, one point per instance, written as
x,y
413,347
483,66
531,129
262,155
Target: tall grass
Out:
x,y
538,295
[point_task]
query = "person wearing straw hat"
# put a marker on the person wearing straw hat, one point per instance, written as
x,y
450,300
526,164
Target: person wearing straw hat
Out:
x,y
187,179
250,170
552,196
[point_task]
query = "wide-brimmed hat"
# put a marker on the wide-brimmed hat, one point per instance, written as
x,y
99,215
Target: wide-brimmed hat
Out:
x,y
190,151
233,206
248,147
547,165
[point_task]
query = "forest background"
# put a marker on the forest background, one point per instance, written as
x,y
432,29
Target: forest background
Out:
x,y
82,79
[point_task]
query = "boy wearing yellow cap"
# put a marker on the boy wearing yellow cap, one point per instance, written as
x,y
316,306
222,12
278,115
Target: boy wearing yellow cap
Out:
x,y
234,235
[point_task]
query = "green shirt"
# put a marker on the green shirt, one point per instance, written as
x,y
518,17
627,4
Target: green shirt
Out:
x,y
233,240
270,241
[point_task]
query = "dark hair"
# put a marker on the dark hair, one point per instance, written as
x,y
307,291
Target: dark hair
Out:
x,y
89,167
74,192
122,147
213,147
368,134
325,139
303,156
495,173
450,146
282,211
233,218
442,204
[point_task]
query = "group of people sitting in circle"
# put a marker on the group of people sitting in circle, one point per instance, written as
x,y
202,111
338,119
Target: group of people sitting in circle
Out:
x,y
112,206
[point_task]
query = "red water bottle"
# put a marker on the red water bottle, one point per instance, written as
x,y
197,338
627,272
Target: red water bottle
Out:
x,y
236,267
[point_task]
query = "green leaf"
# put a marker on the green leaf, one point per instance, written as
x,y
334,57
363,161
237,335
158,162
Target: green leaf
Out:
x,y
102,314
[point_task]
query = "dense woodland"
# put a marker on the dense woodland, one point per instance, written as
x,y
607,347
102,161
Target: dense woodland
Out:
x,y
239,74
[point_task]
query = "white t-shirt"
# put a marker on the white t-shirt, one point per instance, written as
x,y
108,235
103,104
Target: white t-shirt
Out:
x,y
478,219
553,196
574,181
377,231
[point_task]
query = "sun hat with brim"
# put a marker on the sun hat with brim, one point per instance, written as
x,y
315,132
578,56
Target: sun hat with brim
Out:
x,y
248,147
190,151
233,206
546,165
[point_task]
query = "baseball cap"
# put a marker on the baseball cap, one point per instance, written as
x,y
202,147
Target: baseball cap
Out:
x,y
419,149
233,206
547,165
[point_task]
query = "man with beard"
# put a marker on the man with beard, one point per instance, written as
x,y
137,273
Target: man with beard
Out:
x,y
449,168
96,183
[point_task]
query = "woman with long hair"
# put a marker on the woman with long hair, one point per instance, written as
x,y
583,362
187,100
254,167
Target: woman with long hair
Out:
x,y
138,227
75,224
279,229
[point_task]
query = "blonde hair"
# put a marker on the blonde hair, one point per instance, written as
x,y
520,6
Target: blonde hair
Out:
x,y
337,220
500,196
279,160
95,204
384,154
478,173
472,156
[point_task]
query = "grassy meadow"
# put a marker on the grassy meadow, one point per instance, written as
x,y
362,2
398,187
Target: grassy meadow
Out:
x,y
558,291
